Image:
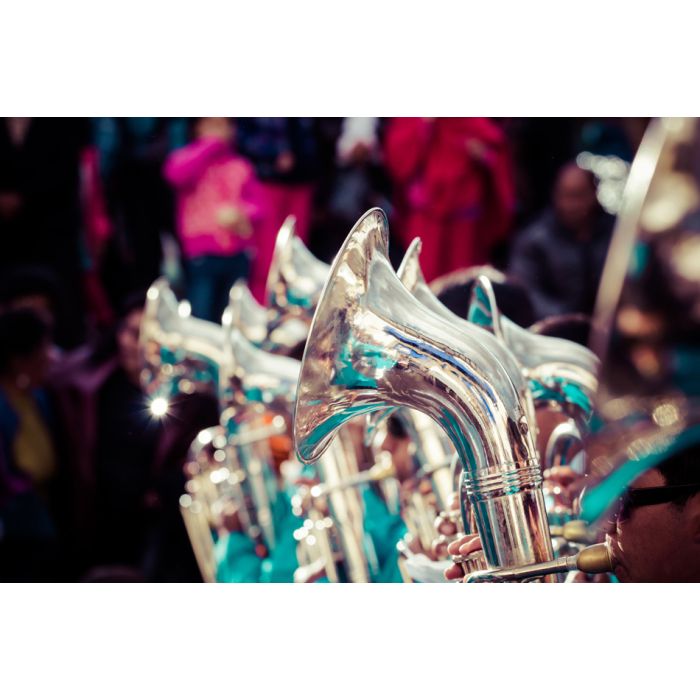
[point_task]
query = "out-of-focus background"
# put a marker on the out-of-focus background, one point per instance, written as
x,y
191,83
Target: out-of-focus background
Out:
x,y
94,210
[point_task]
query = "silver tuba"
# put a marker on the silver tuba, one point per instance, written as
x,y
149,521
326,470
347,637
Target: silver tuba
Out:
x,y
181,354
373,345
295,279
254,322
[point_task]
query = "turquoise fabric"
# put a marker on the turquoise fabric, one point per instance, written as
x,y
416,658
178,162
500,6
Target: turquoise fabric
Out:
x,y
237,561
385,530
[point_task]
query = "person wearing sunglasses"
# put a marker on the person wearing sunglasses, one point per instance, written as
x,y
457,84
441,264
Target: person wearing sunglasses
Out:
x,y
654,531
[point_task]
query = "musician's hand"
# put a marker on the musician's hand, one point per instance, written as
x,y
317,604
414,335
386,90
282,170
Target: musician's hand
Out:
x,y
464,546
310,573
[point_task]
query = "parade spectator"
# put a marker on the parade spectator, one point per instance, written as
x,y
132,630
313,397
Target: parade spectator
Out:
x,y
453,187
40,207
131,152
30,464
559,258
218,208
285,154
129,462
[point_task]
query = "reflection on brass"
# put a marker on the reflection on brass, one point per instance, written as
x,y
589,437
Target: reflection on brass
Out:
x,y
372,344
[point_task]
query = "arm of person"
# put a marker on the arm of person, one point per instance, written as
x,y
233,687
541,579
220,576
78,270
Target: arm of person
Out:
x,y
185,166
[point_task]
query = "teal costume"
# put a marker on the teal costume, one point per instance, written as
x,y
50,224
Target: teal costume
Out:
x,y
238,563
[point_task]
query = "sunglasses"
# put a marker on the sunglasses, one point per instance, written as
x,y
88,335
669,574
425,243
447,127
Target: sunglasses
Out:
x,y
637,498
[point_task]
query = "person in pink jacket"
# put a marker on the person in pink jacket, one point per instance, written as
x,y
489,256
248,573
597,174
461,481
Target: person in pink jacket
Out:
x,y
218,206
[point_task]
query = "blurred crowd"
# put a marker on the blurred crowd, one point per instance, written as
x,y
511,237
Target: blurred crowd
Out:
x,y
92,211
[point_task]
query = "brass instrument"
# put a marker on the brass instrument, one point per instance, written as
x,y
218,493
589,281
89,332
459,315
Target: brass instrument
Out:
x,y
595,559
181,354
295,279
559,371
255,323
372,345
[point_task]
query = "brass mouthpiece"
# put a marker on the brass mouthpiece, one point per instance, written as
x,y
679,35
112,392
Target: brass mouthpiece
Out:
x,y
594,559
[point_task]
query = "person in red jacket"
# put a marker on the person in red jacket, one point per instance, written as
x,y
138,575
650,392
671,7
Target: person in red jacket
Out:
x,y
453,187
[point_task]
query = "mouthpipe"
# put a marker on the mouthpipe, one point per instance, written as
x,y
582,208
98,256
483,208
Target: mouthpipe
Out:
x,y
378,472
575,531
595,559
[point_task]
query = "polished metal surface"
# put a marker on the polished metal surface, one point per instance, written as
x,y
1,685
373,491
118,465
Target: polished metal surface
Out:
x,y
557,369
565,442
255,322
295,279
595,559
372,344
410,274
181,354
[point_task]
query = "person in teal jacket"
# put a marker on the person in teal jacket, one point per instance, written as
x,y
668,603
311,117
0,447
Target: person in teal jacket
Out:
x,y
238,562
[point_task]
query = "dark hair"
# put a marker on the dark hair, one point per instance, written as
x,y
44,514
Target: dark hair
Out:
x,y
396,427
573,165
512,299
29,281
106,346
21,333
574,327
682,468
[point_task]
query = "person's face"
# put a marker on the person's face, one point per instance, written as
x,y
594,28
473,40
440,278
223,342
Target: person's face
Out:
x,y
32,369
574,198
128,344
215,127
657,543
400,449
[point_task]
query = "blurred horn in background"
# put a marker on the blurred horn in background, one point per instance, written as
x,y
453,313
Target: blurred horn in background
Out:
x,y
647,317
295,280
557,369
373,345
253,321
181,354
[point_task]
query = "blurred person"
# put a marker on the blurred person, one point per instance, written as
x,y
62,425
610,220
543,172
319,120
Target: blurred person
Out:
x,y
129,462
30,478
33,288
285,154
353,181
40,207
453,188
131,152
218,208
560,257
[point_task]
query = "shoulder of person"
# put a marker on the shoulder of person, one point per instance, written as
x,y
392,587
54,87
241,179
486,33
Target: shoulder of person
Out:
x,y
537,232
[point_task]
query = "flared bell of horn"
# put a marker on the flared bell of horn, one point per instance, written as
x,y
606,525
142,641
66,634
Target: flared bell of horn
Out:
x,y
296,277
253,321
181,354
372,344
251,377
247,315
556,367
411,275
